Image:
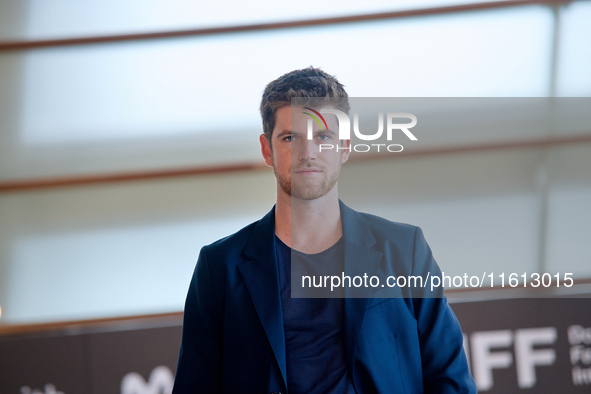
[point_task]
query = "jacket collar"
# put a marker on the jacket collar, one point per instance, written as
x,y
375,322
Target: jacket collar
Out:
x,y
260,273
360,259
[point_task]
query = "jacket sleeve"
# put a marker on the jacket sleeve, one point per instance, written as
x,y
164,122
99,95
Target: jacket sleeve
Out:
x,y
199,365
445,367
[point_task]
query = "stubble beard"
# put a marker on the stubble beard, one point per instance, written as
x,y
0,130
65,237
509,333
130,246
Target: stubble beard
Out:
x,y
306,189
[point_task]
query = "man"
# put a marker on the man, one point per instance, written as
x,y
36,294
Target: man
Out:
x,y
242,330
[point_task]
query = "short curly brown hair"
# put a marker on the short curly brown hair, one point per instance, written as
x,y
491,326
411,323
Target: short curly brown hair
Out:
x,y
308,82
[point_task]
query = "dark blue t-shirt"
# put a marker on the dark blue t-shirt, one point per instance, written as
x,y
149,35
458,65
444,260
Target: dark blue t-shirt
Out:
x,y
314,332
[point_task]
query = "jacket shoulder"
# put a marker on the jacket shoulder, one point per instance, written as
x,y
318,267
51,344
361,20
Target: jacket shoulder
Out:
x,y
232,244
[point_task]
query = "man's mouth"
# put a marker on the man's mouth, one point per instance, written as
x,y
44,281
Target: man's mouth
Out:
x,y
307,170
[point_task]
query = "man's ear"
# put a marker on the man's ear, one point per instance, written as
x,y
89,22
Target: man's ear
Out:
x,y
266,150
345,152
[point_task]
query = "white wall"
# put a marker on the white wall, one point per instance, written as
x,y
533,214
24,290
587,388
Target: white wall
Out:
x,y
119,249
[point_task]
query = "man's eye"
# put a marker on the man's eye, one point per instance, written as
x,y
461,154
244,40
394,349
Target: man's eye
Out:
x,y
288,138
323,137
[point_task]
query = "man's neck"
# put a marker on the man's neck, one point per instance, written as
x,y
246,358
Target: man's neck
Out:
x,y
309,226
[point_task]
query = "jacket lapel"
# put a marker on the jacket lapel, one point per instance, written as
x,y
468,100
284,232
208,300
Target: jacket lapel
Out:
x,y
262,281
360,259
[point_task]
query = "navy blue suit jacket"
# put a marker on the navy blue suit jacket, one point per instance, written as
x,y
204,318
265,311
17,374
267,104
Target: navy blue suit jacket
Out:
x,y
233,338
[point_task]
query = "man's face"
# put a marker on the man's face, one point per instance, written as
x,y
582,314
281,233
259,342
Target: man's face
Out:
x,y
302,171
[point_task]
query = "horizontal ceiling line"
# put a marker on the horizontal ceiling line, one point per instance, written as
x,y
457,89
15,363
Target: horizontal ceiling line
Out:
x,y
34,44
94,179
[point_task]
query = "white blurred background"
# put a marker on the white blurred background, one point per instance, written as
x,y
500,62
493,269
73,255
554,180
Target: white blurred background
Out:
x,y
138,106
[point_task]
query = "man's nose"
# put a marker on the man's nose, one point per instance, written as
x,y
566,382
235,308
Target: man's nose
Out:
x,y
307,150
